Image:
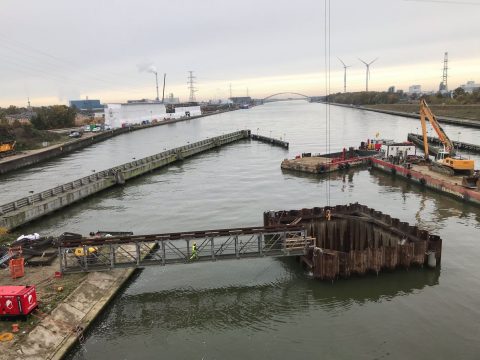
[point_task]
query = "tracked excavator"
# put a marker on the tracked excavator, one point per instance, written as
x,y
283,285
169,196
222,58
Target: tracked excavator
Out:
x,y
446,161
7,148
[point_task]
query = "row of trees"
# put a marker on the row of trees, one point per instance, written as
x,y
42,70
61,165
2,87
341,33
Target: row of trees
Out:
x,y
11,110
458,97
53,117
365,98
45,117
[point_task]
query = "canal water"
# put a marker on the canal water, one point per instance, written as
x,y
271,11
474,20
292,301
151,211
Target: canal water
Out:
x,y
269,308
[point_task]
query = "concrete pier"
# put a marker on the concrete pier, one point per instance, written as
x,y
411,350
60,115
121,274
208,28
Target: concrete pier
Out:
x,y
272,141
37,156
22,211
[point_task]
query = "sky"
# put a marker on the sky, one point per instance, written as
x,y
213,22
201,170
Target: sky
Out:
x,y
53,51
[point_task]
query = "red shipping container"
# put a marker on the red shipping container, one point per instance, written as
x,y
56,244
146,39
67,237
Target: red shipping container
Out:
x,y
17,300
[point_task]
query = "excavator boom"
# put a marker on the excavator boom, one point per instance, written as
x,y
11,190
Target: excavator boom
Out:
x,y
426,113
446,162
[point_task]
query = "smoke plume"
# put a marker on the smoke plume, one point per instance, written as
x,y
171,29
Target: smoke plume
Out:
x,y
147,67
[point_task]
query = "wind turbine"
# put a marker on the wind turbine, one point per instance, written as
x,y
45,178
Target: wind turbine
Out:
x,y
344,74
368,70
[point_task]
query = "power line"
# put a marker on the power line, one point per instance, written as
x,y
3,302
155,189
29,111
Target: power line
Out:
x,y
67,65
447,2
327,64
55,67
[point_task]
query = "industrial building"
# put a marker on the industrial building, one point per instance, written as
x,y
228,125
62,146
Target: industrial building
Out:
x,y
470,87
86,105
121,115
415,89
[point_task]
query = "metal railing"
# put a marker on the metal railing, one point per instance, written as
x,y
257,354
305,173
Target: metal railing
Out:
x,y
174,248
109,173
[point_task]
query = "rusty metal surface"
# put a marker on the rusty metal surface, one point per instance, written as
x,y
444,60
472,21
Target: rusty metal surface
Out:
x,y
175,248
358,240
179,235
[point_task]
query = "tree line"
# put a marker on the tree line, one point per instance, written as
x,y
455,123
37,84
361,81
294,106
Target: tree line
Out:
x,y
42,118
457,97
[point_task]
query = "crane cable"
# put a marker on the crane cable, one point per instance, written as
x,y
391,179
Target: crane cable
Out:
x,y
327,56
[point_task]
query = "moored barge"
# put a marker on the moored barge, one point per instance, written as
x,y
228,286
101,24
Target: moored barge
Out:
x,y
453,185
319,164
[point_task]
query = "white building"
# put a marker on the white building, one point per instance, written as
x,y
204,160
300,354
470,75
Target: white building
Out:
x,y
121,115
398,149
415,89
470,86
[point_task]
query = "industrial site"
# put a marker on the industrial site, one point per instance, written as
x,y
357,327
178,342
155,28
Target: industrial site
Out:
x,y
212,181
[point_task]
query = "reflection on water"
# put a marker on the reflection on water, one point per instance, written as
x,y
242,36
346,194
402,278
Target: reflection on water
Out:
x,y
255,306
206,307
268,308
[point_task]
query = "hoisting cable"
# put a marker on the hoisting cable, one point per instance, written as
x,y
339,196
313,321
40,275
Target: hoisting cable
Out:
x,y
327,92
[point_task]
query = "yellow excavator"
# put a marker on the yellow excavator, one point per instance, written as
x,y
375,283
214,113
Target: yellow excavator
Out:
x,y
7,148
446,161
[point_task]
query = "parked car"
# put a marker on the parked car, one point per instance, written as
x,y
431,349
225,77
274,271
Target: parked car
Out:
x,y
75,134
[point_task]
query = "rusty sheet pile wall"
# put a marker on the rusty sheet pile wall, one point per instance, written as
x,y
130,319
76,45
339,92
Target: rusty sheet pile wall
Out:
x,y
355,239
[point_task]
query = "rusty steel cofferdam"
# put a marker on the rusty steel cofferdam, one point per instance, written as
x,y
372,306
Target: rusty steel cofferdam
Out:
x,y
354,239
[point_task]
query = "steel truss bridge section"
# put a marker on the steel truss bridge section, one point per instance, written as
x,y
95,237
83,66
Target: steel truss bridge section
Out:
x,y
176,248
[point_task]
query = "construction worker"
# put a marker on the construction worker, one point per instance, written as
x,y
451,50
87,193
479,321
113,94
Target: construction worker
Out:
x,y
194,252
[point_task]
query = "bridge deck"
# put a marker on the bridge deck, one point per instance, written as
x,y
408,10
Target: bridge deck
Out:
x,y
176,248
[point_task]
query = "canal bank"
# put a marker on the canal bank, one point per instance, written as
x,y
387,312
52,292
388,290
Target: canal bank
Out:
x,y
37,156
56,331
442,119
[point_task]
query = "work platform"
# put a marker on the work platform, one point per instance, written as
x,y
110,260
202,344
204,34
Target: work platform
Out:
x,y
174,248
319,164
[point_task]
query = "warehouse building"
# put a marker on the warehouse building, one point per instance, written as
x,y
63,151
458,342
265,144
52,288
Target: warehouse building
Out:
x,y
121,115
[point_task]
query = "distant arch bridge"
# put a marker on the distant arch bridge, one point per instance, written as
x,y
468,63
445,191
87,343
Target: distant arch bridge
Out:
x,y
270,98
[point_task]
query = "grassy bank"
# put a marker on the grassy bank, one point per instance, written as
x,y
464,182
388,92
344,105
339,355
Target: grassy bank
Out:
x,y
29,138
471,112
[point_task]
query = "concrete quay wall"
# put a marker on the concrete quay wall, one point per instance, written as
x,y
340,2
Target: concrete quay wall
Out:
x,y
22,211
18,162
270,140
